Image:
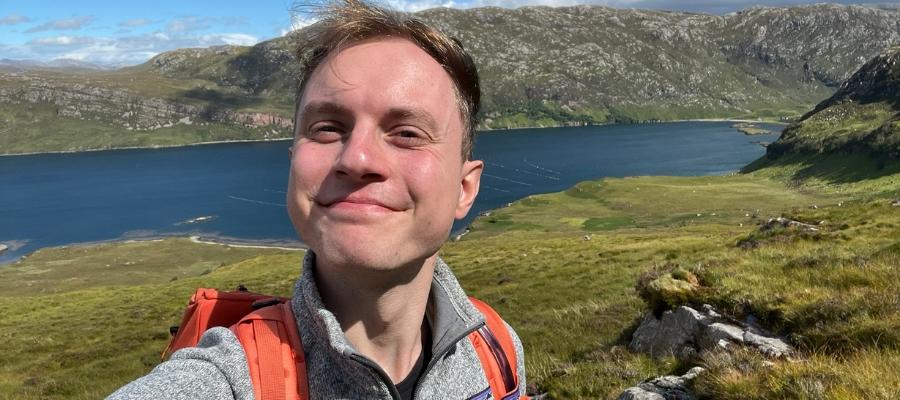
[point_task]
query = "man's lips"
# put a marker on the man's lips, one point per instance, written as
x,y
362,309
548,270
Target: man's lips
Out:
x,y
355,202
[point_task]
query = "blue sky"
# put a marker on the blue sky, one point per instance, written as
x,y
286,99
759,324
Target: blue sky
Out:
x,y
125,33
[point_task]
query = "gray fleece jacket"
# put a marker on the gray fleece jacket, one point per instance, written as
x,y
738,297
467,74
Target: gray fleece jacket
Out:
x,y
217,367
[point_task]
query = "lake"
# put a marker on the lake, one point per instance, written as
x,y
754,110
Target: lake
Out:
x,y
58,199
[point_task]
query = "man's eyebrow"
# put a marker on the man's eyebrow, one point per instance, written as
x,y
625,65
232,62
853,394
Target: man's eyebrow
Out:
x,y
323,107
414,114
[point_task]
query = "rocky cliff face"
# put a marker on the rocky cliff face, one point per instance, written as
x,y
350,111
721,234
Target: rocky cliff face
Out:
x,y
129,109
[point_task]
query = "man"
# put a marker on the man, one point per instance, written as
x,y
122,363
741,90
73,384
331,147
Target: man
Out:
x,y
380,168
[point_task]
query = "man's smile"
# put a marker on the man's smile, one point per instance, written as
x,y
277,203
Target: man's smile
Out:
x,y
357,203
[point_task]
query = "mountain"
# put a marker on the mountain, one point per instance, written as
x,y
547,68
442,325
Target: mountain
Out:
x,y
57,64
540,66
848,143
863,115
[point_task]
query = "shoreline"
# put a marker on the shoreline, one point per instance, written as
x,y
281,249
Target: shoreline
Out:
x,y
197,239
484,130
155,147
243,244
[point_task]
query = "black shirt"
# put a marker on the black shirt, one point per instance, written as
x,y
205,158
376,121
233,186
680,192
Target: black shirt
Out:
x,y
407,386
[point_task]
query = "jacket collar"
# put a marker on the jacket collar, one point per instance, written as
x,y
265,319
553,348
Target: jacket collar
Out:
x,y
450,314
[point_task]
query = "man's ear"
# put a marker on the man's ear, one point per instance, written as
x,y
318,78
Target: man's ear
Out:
x,y
468,186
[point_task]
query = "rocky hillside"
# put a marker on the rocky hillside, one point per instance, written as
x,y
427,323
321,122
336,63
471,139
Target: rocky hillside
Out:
x,y
863,116
540,66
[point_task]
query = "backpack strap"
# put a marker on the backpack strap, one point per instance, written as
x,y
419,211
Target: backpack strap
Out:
x,y
277,363
274,353
210,308
497,353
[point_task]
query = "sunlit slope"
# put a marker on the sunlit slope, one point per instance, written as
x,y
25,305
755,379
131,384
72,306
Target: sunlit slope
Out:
x,y
852,137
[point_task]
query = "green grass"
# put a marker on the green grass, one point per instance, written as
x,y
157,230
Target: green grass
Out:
x,y
648,202
573,301
70,268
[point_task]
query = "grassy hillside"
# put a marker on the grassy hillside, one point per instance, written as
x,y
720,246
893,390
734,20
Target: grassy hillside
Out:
x,y
851,137
572,300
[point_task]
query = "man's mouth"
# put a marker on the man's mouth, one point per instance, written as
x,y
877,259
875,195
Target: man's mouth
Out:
x,y
356,202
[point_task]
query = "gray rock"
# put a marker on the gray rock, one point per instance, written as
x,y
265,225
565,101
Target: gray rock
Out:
x,y
685,333
636,393
3,247
770,346
672,334
718,332
667,387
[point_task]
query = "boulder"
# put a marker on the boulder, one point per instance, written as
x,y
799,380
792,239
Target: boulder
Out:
x,y
789,223
667,387
3,247
770,346
671,334
685,333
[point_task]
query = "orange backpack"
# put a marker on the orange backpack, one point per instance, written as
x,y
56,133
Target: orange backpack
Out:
x,y
267,330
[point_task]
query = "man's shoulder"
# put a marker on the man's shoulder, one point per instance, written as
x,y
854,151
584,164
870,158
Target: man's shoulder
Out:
x,y
215,368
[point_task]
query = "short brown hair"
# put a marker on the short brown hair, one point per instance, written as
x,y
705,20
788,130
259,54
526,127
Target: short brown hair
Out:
x,y
346,22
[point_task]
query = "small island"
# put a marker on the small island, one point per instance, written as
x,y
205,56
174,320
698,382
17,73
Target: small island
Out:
x,y
751,129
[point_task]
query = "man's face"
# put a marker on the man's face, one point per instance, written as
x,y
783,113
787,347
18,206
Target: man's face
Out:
x,y
376,173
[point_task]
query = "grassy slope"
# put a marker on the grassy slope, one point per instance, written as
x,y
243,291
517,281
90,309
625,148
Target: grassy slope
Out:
x,y
572,300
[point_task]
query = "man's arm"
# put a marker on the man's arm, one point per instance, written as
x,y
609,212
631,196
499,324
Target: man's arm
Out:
x,y
215,369
520,358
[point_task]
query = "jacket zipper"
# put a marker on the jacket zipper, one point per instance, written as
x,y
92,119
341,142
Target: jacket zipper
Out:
x,y
440,355
395,394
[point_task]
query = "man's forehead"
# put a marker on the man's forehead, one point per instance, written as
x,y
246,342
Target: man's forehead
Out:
x,y
395,74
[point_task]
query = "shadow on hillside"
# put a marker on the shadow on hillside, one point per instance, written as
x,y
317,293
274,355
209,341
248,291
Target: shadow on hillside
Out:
x,y
217,98
832,168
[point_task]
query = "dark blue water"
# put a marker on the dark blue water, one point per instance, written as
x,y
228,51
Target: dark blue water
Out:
x,y
57,199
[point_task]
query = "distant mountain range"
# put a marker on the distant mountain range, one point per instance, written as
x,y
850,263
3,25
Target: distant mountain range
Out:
x,y
63,64
540,66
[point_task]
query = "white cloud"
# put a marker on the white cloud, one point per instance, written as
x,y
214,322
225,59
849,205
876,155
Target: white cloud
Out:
x,y
122,50
13,19
188,24
235,39
62,24
61,41
418,5
131,23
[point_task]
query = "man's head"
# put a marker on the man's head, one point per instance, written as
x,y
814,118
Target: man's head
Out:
x,y
353,21
380,164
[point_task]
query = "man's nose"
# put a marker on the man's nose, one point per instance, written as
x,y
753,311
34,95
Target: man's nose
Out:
x,y
362,155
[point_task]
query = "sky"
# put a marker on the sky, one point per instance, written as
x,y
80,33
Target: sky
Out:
x,y
125,33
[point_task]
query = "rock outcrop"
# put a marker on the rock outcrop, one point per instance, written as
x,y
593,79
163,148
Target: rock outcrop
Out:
x,y
669,387
685,333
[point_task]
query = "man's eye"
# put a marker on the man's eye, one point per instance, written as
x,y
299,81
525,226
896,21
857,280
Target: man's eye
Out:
x,y
409,138
324,133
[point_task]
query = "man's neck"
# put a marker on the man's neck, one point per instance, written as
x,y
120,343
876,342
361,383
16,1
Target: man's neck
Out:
x,y
380,312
